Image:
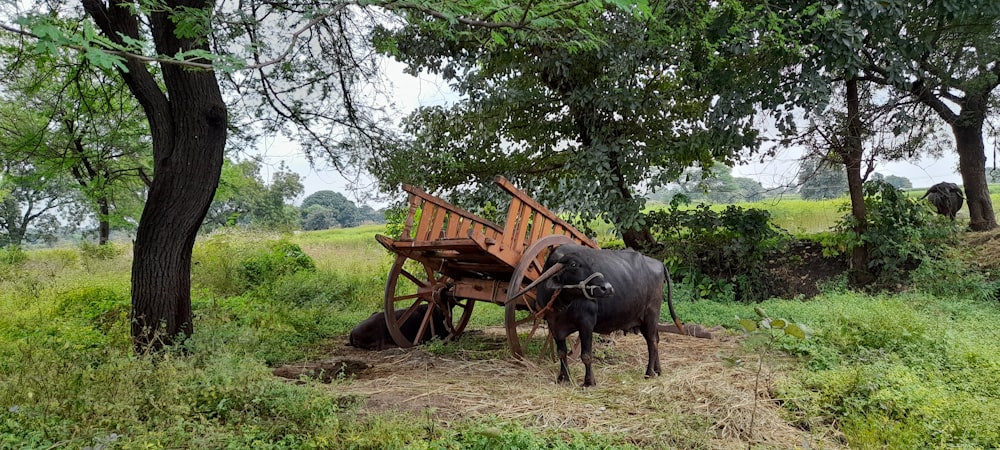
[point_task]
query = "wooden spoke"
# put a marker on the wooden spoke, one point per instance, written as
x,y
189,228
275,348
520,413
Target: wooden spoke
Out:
x,y
405,290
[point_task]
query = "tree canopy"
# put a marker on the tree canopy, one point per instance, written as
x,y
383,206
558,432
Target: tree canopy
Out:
x,y
589,130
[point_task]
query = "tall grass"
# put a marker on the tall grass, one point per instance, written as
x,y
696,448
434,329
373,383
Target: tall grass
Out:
x,y
902,371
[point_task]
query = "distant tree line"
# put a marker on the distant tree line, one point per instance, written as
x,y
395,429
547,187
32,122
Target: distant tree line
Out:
x,y
36,209
817,180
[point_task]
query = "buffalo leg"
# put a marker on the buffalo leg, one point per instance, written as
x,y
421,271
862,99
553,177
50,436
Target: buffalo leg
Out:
x,y
652,340
587,356
563,364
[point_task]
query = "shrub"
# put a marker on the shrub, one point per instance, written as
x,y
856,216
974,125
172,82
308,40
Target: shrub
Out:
x,y
100,252
715,253
102,306
230,265
901,233
278,259
12,255
309,288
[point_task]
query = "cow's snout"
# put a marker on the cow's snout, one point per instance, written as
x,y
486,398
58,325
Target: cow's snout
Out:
x,y
602,289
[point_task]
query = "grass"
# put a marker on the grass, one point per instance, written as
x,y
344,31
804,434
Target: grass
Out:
x,y
912,370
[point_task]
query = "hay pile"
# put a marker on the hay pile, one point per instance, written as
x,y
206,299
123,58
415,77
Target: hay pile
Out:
x,y
701,397
985,246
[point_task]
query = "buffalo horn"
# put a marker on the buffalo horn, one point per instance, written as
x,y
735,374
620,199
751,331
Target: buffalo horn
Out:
x,y
556,268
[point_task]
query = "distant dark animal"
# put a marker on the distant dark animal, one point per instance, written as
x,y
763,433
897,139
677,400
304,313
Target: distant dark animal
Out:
x,y
588,290
373,333
946,197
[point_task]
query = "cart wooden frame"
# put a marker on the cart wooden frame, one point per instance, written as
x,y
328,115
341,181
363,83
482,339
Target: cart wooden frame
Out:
x,y
459,258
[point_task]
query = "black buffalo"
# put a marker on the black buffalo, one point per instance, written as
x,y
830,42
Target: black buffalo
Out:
x,y
946,197
589,290
373,333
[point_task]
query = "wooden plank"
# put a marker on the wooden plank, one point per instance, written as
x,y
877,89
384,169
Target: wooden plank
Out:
x,y
511,225
413,190
517,193
426,218
454,223
414,201
540,227
518,241
437,227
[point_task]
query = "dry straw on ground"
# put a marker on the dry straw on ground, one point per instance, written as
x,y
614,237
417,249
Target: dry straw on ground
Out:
x,y
702,397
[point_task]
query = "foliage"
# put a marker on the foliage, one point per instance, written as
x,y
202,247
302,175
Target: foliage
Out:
x,y
718,253
328,209
716,186
904,371
12,255
901,234
100,252
33,201
578,129
243,198
230,265
896,181
820,179
78,125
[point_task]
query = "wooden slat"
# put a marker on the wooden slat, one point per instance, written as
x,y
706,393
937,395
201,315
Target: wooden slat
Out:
x,y
454,223
518,241
540,227
428,198
414,201
511,225
517,193
437,227
427,212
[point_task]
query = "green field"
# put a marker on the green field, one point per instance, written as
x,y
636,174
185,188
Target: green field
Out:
x,y
910,370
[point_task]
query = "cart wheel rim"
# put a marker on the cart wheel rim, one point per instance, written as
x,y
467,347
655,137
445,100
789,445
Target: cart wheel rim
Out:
x,y
517,316
424,287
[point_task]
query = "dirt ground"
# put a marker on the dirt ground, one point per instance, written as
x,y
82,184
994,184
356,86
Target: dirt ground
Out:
x,y
710,392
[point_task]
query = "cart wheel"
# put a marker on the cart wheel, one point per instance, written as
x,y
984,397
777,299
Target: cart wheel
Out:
x,y
522,325
427,288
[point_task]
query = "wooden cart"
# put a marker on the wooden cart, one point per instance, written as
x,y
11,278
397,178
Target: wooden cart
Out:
x,y
450,259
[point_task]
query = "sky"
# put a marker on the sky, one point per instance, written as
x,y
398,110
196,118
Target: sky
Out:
x,y
426,90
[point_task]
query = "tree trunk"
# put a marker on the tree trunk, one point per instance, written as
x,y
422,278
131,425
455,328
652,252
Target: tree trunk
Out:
x,y
103,226
859,275
188,125
972,165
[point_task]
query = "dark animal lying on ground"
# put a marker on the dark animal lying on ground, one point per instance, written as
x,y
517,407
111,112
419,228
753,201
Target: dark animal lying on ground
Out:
x,y
587,290
373,333
946,197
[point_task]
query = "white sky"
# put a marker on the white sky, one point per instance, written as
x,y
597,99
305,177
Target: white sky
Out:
x,y
428,90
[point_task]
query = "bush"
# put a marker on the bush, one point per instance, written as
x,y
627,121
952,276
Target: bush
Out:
x,y
103,307
230,265
718,253
901,234
100,252
12,255
308,288
279,259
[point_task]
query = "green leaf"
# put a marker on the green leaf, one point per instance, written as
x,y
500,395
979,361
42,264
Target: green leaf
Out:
x,y
795,331
498,38
748,325
760,312
778,323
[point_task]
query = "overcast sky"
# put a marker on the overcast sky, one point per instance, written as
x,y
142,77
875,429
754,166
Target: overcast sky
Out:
x,y
427,90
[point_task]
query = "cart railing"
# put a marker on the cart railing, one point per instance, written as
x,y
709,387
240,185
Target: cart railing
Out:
x,y
439,219
527,221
